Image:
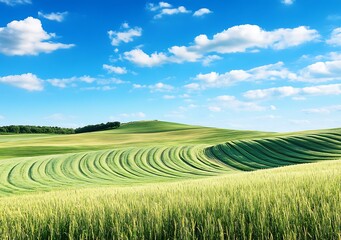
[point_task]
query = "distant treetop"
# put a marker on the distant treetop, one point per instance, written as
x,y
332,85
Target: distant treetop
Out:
x,y
18,129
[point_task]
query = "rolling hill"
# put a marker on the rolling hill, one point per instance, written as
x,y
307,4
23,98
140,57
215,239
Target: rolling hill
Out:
x,y
186,169
151,151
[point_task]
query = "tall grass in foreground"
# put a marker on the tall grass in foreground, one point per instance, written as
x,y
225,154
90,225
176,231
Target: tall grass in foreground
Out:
x,y
296,202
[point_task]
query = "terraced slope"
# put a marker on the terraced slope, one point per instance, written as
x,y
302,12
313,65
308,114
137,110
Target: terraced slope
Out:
x,y
125,166
249,155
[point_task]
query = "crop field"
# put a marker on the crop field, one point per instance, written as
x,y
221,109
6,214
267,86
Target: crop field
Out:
x,y
160,180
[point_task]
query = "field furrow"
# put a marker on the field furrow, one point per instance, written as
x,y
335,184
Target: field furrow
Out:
x,y
162,163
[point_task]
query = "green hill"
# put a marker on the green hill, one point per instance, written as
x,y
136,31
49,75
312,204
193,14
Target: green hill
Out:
x,y
161,180
152,151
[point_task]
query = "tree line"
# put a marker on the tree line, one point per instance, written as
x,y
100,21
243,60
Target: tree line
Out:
x,y
17,129
98,127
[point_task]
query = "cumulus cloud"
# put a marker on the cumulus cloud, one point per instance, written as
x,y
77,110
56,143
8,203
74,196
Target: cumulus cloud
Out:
x,y
182,54
154,7
171,11
27,37
201,12
54,16
321,72
209,59
241,38
160,87
289,91
113,69
335,38
314,73
164,8
140,58
232,103
126,35
15,2
270,72
26,81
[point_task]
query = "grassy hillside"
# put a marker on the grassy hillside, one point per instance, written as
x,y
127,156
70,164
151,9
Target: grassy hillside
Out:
x,y
152,153
137,134
160,180
296,202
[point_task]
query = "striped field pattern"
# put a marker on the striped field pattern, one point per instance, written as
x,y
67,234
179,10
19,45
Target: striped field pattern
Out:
x,y
159,180
162,163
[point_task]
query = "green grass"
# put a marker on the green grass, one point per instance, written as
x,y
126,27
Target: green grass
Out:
x,y
138,134
296,202
160,180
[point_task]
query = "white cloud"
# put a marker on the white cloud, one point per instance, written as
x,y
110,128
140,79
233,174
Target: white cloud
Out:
x,y
242,38
171,11
70,82
288,2
154,7
314,73
125,25
267,72
209,59
54,16
231,102
26,81
74,82
126,36
321,72
164,8
182,54
140,58
289,91
27,37
193,86
335,38
323,110
160,87
15,2
201,12
2,117
113,69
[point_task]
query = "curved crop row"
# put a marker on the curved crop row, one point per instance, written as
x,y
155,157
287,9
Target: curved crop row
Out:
x,y
119,167
155,164
249,155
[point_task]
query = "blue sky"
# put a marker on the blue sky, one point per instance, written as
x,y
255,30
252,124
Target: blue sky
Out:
x,y
271,65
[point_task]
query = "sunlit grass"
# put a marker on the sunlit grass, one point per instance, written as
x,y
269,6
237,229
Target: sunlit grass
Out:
x,y
296,202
